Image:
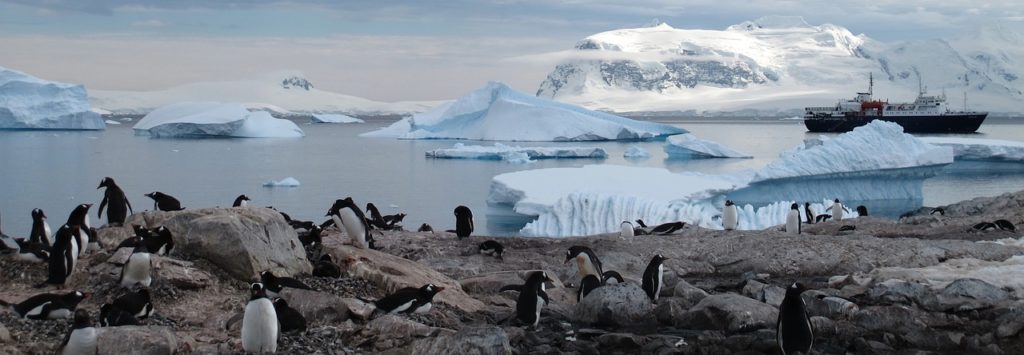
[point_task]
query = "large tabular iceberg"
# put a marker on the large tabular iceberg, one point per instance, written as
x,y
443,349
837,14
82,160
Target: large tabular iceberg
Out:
x,y
981,149
214,119
496,112
506,152
27,102
688,146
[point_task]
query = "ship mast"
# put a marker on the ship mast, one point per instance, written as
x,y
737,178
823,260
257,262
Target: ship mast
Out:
x,y
871,84
967,85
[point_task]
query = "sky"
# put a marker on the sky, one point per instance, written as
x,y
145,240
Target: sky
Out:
x,y
396,50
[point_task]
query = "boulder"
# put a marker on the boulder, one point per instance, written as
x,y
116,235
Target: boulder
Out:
x,y
769,294
358,309
317,306
109,237
729,312
900,291
148,340
689,294
471,340
975,289
241,241
614,305
894,319
181,274
671,308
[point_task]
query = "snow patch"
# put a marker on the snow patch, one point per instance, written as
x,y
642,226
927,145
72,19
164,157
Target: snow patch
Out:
x,y
286,182
335,118
28,102
213,119
981,149
506,152
688,146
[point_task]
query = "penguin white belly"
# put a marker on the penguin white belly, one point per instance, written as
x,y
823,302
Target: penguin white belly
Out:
x,y
353,227
29,257
626,230
837,212
259,327
83,242
402,307
661,277
47,234
81,342
244,203
793,222
729,218
145,312
424,308
62,313
36,311
540,305
68,269
137,270
586,267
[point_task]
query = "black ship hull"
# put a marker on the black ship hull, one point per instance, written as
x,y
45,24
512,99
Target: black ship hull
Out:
x,y
967,123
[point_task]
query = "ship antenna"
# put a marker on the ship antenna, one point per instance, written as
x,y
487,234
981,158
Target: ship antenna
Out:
x,y
871,83
967,85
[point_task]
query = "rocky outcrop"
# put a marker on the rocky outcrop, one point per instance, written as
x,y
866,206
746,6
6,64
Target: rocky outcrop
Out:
x,y
316,306
730,313
615,305
470,340
142,340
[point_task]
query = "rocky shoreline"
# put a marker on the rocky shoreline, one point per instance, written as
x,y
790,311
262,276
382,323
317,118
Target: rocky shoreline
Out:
x,y
876,290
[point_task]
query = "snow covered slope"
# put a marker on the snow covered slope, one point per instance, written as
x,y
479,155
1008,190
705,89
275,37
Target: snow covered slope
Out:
x,y
688,146
505,152
778,65
28,102
287,91
981,149
334,118
496,112
214,119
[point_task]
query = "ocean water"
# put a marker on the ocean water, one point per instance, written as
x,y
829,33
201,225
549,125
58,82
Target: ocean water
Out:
x,y
57,170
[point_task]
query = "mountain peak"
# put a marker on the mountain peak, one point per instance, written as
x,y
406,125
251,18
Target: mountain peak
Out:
x,y
771,22
297,82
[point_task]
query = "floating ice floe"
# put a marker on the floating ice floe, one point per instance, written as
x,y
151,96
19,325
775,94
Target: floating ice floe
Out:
x,y
213,119
335,118
688,146
507,152
981,149
496,112
635,152
286,182
28,102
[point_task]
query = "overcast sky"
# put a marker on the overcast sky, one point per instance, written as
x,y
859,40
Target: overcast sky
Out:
x,y
395,50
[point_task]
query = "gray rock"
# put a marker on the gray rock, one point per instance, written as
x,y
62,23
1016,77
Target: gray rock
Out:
x,y
317,306
669,309
148,340
769,294
689,294
900,291
729,312
5,335
823,327
471,340
975,289
896,319
110,237
358,309
611,305
621,340
181,274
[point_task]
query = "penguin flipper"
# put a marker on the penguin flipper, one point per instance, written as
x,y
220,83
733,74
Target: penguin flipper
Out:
x,y
129,205
612,274
99,211
517,288
544,295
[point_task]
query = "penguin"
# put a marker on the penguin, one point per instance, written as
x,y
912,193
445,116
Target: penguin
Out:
x,y
346,215
641,223
80,217
311,237
837,210
425,228
164,202
273,284
32,252
115,201
139,303
463,222
297,224
938,210
654,276
793,329
984,226
376,220
81,338
730,216
1005,225
862,211
138,269
63,255
289,318
47,305
40,229
325,267
626,229
111,316
409,300
241,201
160,241
586,261
259,323
668,228
589,283
809,212
821,218
793,219
393,220
612,275
492,248
532,298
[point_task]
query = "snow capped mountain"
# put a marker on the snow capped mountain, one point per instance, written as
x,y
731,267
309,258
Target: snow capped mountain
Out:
x,y
778,65
288,91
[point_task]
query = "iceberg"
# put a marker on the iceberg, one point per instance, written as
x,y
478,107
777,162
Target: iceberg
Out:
x,y
981,149
286,182
27,102
496,112
635,152
214,119
506,152
334,118
688,146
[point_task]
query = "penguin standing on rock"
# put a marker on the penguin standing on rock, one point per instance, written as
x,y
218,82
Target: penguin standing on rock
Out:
x,y
48,305
586,261
81,338
63,255
793,329
463,222
138,269
40,229
347,215
164,202
425,228
532,298
668,228
259,323
793,219
86,235
862,211
241,201
376,220
654,277
409,300
730,216
115,201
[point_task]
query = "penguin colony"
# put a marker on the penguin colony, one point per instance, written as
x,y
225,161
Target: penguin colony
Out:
x,y
266,315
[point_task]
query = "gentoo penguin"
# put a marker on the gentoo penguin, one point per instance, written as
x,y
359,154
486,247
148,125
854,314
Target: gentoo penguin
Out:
x,y
160,241
63,255
111,316
40,229
393,219
325,267
376,220
289,318
668,228
47,305
938,210
80,217
821,218
311,237
653,277
139,303
862,211
164,202
138,269
81,338
809,212
837,210
641,223
463,222
409,300
272,284
241,201
425,228
492,248
730,216
793,219
589,283
985,226
347,215
32,252
626,229
1005,225
115,201
259,323
793,329
586,261
612,275
532,298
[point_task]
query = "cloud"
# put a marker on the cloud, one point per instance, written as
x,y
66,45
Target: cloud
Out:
x,y
151,23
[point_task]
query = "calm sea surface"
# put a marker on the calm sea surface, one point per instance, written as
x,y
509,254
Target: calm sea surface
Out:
x,y
56,171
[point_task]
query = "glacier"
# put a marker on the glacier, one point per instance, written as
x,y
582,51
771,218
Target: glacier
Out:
x,y
507,152
858,166
497,112
213,119
688,146
334,118
981,149
28,102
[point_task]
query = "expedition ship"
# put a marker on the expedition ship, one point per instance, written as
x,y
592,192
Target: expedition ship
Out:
x,y
927,114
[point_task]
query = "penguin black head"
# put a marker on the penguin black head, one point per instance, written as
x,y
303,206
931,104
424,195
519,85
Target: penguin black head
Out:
x,y
463,211
429,290
425,228
862,210
836,200
538,278
280,302
340,204
37,214
82,319
257,291
106,182
575,251
658,258
152,195
74,297
729,203
492,247
326,257
239,200
794,206
795,290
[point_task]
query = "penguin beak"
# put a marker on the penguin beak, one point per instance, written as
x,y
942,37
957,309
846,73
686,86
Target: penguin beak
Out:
x,y
440,288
